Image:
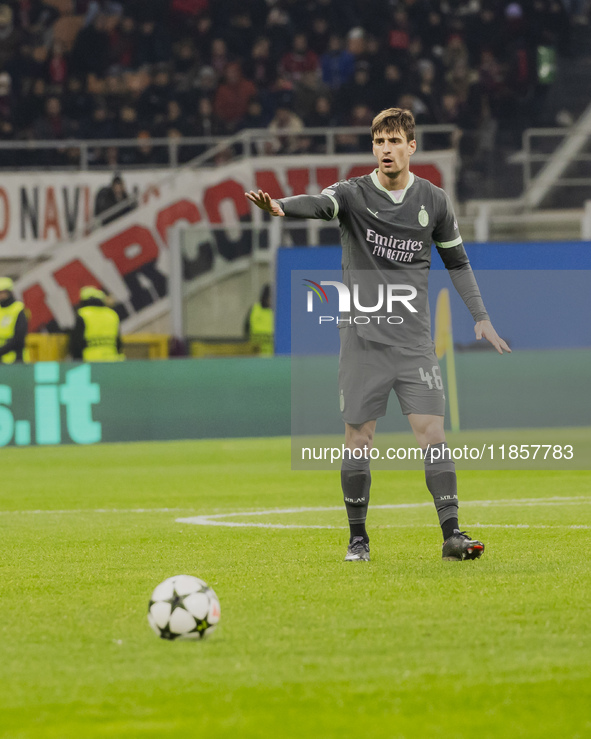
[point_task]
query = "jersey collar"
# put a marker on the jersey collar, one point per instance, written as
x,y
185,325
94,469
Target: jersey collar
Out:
x,y
378,184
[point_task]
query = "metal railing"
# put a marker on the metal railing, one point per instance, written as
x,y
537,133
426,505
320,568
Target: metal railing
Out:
x,y
533,156
86,154
241,145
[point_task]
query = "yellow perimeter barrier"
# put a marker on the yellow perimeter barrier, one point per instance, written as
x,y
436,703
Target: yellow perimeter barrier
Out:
x,y
54,347
444,346
229,349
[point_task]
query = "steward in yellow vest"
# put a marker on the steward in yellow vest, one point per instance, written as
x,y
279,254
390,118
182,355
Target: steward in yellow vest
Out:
x,y
13,324
95,337
261,324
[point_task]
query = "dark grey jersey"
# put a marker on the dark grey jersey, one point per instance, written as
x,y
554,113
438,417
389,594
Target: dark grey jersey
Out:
x,y
387,252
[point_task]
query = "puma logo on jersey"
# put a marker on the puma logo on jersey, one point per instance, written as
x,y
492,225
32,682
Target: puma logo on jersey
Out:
x,y
372,212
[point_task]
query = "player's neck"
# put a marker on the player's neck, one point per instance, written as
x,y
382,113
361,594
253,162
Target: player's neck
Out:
x,y
395,181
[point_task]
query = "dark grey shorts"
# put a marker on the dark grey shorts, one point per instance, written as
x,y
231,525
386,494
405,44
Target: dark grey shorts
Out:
x,y
368,371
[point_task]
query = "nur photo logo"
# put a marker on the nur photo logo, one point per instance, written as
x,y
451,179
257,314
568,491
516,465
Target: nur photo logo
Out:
x,y
386,297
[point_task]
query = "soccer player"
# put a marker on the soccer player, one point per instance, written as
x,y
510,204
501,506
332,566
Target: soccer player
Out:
x,y
388,221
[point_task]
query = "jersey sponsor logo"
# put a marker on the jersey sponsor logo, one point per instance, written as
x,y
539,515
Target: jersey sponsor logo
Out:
x,y
423,217
396,250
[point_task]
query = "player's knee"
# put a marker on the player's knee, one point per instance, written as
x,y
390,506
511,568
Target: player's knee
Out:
x,y
430,433
360,437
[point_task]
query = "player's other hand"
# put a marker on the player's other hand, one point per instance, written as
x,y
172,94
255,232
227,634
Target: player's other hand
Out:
x,y
485,328
264,201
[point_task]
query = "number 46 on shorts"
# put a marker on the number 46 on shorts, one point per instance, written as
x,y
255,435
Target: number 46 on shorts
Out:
x,y
433,379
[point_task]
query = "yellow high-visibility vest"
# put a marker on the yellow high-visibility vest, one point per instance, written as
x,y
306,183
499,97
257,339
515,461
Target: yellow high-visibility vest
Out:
x,y
8,318
101,328
261,329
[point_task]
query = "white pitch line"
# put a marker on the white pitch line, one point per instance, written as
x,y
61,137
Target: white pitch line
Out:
x,y
215,518
94,510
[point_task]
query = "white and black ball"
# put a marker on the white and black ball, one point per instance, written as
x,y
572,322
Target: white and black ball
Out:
x,y
183,607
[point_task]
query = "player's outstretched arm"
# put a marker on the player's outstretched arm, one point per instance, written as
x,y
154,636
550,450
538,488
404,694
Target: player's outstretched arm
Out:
x,y
264,201
486,329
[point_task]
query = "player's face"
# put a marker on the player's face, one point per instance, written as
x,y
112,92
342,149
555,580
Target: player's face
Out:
x,y
393,152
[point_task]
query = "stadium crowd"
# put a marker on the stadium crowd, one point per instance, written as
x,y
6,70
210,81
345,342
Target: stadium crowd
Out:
x,y
174,68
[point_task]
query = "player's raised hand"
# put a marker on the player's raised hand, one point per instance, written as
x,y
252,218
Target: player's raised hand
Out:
x,y
485,328
264,201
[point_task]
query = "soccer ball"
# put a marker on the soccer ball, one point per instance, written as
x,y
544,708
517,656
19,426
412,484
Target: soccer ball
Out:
x,y
183,607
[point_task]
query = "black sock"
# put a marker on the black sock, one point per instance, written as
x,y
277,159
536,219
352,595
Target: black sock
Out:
x,y
356,484
448,527
357,529
440,476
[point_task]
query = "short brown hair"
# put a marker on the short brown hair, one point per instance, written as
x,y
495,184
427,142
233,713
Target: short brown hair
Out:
x,y
392,120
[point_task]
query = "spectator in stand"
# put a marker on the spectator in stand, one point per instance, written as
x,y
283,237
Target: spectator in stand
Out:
x,y
307,91
319,35
360,90
78,104
122,44
359,117
110,196
261,66
459,79
427,91
207,82
299,60
99,126
91,48
6,117
53,126
254,117
174,119
185,64
154,100
241,33
356,43
31,107
321,117
391,87
219,58
57,66
146,154
207,123
455,52
285,119
432,31
337,64
10,36
399,36
279,29
411,102
203,37
127,123
232,98
152,45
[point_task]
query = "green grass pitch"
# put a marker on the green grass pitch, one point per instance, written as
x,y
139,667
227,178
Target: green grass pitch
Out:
x,y
405,646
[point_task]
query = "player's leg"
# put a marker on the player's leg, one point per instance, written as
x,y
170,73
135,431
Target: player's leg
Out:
x,y
440,468
440,475
364,386
420,392
355,483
